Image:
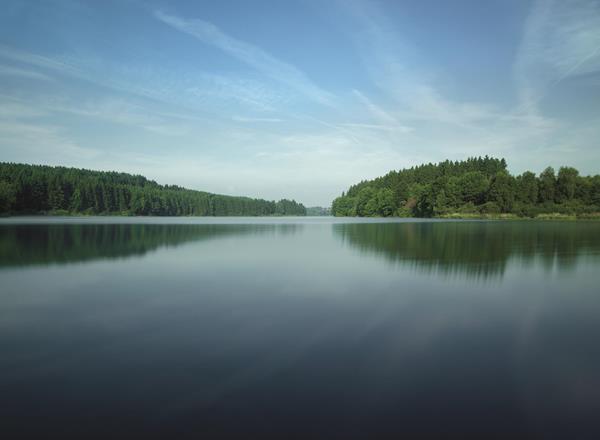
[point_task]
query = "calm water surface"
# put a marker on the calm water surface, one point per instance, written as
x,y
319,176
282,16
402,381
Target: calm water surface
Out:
x,y
298,328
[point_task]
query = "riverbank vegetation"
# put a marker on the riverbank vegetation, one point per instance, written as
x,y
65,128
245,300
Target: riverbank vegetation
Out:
x,y
474,188
37,189
318,211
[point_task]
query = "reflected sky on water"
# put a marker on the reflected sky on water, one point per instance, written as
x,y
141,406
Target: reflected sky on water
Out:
x,y
299,327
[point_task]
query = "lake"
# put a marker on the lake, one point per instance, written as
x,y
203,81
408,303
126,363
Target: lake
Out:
x,y
298,328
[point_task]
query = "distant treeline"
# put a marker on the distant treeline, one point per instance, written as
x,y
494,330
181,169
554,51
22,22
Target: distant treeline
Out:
x,y
471,187
35,189
318,211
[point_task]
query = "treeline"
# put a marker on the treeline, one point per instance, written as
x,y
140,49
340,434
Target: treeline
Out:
x,y
476,186
36,189
318,211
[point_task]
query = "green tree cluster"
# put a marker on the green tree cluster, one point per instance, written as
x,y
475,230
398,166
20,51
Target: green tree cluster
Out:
x,y
473,186
318,211
33,189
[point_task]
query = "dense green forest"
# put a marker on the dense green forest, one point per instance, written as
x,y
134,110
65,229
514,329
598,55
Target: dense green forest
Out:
x,y
37,189
476,186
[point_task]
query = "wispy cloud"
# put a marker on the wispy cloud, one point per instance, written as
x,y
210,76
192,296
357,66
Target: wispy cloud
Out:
x,y
561,40
23,73
375,110
389,128
250,54
264,123
237,91
396,69
38,60
194,95
113,110
23,141
251,119
12,109
385,119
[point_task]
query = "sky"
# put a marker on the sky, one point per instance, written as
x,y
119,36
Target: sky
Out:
x,y
298,99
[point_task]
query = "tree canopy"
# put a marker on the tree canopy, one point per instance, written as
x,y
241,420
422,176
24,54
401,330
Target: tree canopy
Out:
x,y
473,186
34,189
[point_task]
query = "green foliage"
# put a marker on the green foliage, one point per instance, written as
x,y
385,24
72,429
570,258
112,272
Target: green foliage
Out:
x,y
453,192
547,185
385,202
595,190
343,206
566,184
365,202
32,189
490,208
502,191
289,207
527,188
7,196
318,211
472,187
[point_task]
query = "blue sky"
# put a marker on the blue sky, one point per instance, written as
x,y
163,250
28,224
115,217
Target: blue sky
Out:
x,y
298,99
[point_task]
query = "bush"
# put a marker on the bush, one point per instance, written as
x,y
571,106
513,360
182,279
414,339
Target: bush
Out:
x,y
468,208
490,208
525,210
62,212
7,196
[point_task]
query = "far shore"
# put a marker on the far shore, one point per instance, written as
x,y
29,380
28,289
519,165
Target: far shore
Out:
x,y
448,216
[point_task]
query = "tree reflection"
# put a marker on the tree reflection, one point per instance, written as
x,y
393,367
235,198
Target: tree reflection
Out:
x,y
22,245
475,249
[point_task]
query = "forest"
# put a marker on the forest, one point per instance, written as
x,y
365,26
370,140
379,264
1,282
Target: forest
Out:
x,y
40,189
473,187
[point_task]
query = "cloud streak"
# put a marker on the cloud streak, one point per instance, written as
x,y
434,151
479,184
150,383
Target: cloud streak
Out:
x,y
249,54
561,39
270,120
251,119
23,73
395,67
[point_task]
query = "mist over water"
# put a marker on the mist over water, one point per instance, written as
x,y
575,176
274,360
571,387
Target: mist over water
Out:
x,y
301,328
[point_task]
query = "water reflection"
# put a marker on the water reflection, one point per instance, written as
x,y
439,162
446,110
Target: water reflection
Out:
x,y
39,244
315,329
475,249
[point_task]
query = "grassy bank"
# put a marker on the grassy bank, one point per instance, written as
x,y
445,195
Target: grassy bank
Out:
x,y
549,216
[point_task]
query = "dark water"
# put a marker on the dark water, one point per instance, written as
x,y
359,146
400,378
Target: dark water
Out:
x,y
299,328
